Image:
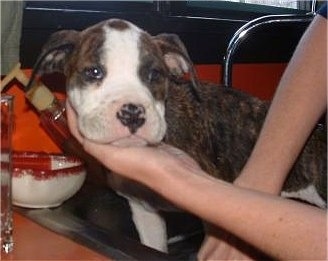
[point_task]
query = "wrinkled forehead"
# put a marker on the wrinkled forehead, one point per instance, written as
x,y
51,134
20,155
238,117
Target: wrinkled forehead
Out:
x,y
121,46
119,35
114,40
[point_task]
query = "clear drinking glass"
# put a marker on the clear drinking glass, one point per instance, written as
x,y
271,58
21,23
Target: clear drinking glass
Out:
x,y
6,224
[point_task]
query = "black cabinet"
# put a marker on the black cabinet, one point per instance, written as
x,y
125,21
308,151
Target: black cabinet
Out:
x,y
206,29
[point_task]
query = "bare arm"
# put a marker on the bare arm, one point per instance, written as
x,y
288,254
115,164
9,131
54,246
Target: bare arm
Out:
x,y
279,227
297,105
300,100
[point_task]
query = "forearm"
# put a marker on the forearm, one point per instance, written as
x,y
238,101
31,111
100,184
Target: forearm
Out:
x,y
299,102
279,227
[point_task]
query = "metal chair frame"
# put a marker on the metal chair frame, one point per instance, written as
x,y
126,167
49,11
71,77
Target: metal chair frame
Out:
x,y
246,30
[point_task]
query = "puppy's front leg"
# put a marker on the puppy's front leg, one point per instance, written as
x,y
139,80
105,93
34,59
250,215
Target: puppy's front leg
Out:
x,y
150,225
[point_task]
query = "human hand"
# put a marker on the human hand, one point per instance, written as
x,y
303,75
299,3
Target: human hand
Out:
x,y
221,245
127,161
214,248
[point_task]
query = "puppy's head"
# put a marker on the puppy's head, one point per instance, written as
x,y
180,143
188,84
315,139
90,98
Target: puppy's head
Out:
x,y
117,79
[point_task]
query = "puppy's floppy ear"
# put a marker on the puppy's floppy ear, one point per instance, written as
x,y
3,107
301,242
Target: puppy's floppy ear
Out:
x,y
55,54
177,58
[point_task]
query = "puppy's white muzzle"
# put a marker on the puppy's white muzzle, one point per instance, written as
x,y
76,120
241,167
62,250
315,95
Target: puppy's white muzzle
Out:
x,y
125,121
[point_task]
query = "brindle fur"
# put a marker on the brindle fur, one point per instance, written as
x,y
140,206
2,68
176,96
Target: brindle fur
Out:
x,y
221,130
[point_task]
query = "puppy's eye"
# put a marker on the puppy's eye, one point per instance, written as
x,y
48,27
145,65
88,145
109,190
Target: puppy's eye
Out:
x,y
154,75
93,73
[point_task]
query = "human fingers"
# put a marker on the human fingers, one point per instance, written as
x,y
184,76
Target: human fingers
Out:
x,y
217,249
212,248
141,163
156,156
122,160
234,249
180,155
206,249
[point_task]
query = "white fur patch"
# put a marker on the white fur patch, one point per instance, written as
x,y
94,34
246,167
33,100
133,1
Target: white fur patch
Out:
x,y
309,194
150,225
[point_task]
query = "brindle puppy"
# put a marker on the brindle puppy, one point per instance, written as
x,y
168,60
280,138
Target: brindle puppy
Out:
x,y
129,88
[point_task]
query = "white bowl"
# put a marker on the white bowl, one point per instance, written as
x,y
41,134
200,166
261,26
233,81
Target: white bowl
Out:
x,y
42,180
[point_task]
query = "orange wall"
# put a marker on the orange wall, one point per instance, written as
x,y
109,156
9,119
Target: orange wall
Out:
x,y
257,79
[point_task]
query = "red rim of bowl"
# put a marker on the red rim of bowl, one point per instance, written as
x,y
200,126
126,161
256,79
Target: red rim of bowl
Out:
x,y
38,165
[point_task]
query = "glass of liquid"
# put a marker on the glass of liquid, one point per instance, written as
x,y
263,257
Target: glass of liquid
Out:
x,y
6,224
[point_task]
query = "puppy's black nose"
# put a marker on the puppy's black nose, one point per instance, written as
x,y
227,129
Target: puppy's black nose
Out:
x,y
132,116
